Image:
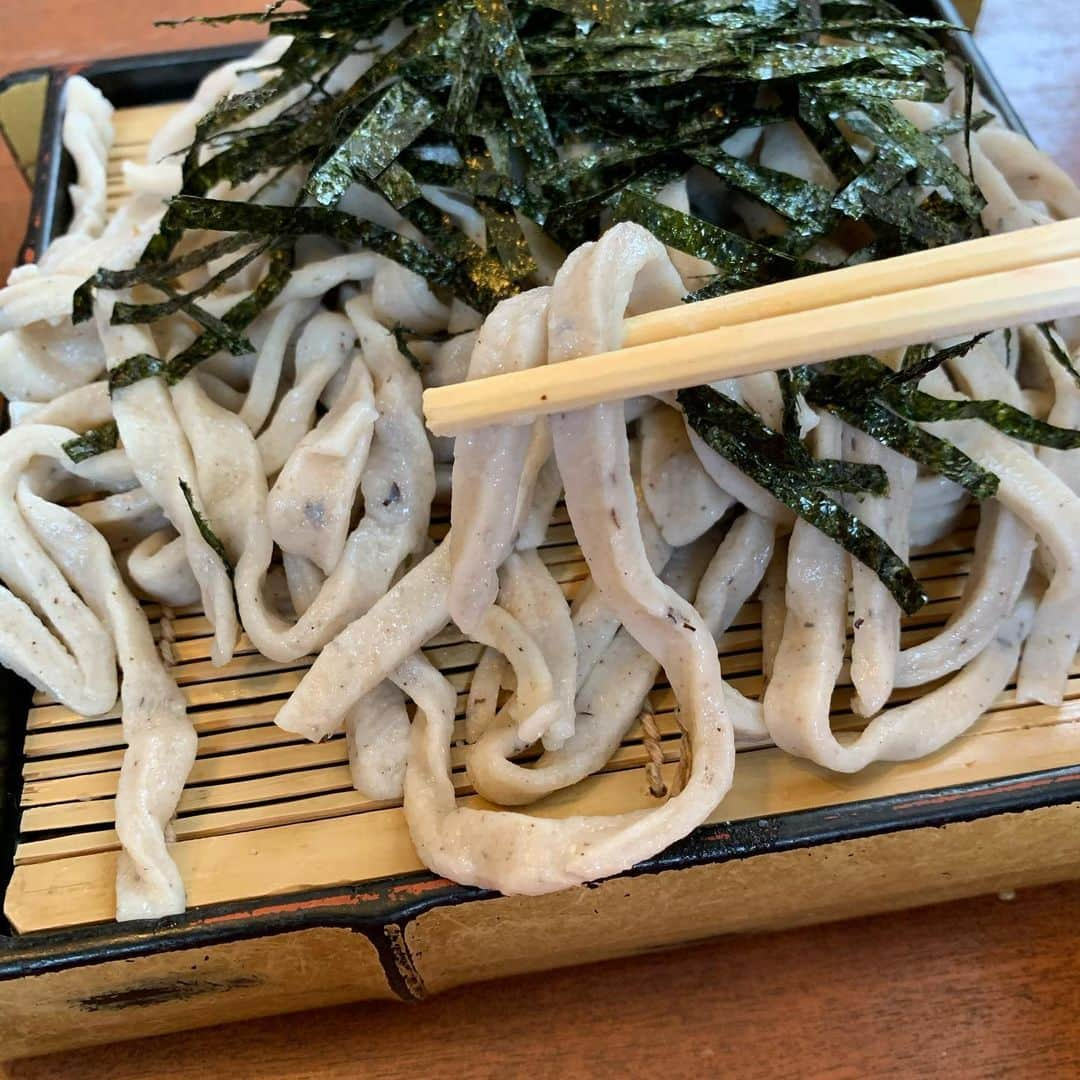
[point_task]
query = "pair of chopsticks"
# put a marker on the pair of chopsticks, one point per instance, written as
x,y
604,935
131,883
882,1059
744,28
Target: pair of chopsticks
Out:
x,y
988,284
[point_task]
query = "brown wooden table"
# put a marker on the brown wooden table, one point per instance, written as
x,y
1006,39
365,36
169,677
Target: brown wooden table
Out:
x,y
982,988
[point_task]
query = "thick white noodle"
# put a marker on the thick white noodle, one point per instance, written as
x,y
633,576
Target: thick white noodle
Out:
x,y
607,704
88,134
876,625
999,568
771,596
266,376
312,499
1065,411
401,297
161,456
125,518
370,648
226,461
489,462
611,697
377,730
323,348
482,703
160,740
534,707
48,633
1049,507
84,407
683,499
157,567
529,593
936,506
398,485
730,479
797,699
595,624
628,270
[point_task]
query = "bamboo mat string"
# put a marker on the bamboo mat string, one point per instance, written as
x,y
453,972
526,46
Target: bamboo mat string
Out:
x,y
651,742
686,756
167,635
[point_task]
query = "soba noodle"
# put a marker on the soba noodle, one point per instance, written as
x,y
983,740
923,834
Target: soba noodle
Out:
x,y
309,459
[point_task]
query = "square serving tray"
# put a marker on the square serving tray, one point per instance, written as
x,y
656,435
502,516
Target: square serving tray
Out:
x,y
303,894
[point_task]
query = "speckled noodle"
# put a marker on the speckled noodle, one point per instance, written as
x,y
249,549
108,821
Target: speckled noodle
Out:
x,y
237,422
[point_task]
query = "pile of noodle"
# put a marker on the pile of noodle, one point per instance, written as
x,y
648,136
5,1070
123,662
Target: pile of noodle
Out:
x,y
310,460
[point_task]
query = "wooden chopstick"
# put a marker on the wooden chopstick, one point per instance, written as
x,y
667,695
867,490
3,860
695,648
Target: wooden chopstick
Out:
x,y
972,258
992,300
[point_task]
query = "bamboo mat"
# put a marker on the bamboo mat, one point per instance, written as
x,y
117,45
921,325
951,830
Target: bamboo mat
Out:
x,y
265,813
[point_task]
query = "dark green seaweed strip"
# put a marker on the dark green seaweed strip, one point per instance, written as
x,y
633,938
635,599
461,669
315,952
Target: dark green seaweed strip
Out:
x,y
956,124
1059,352
300,64
505,235
266,15
934,166
862,411
232,340
722,423
278,221
734,255
798,200
398,186
918,364
833,475
325,180
125,314
468,75
208,534
969,104
396,120
507,58
143,366
153,274
926,408
239,315
93,442
848,476
136,368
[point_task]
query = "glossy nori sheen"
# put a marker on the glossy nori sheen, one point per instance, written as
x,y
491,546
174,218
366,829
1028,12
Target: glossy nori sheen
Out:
x,y
93,442
569,112
574,113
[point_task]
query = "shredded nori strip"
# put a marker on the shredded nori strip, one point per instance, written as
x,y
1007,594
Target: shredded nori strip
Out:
x,y
400,116
143,366
857,381
128,314
651,86
858,409
723,424
574,113
1059,352
926,408
153,275
920,362
740,260
208,534
93,442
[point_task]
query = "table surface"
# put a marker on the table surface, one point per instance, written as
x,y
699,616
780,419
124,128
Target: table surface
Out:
x,y
977,988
